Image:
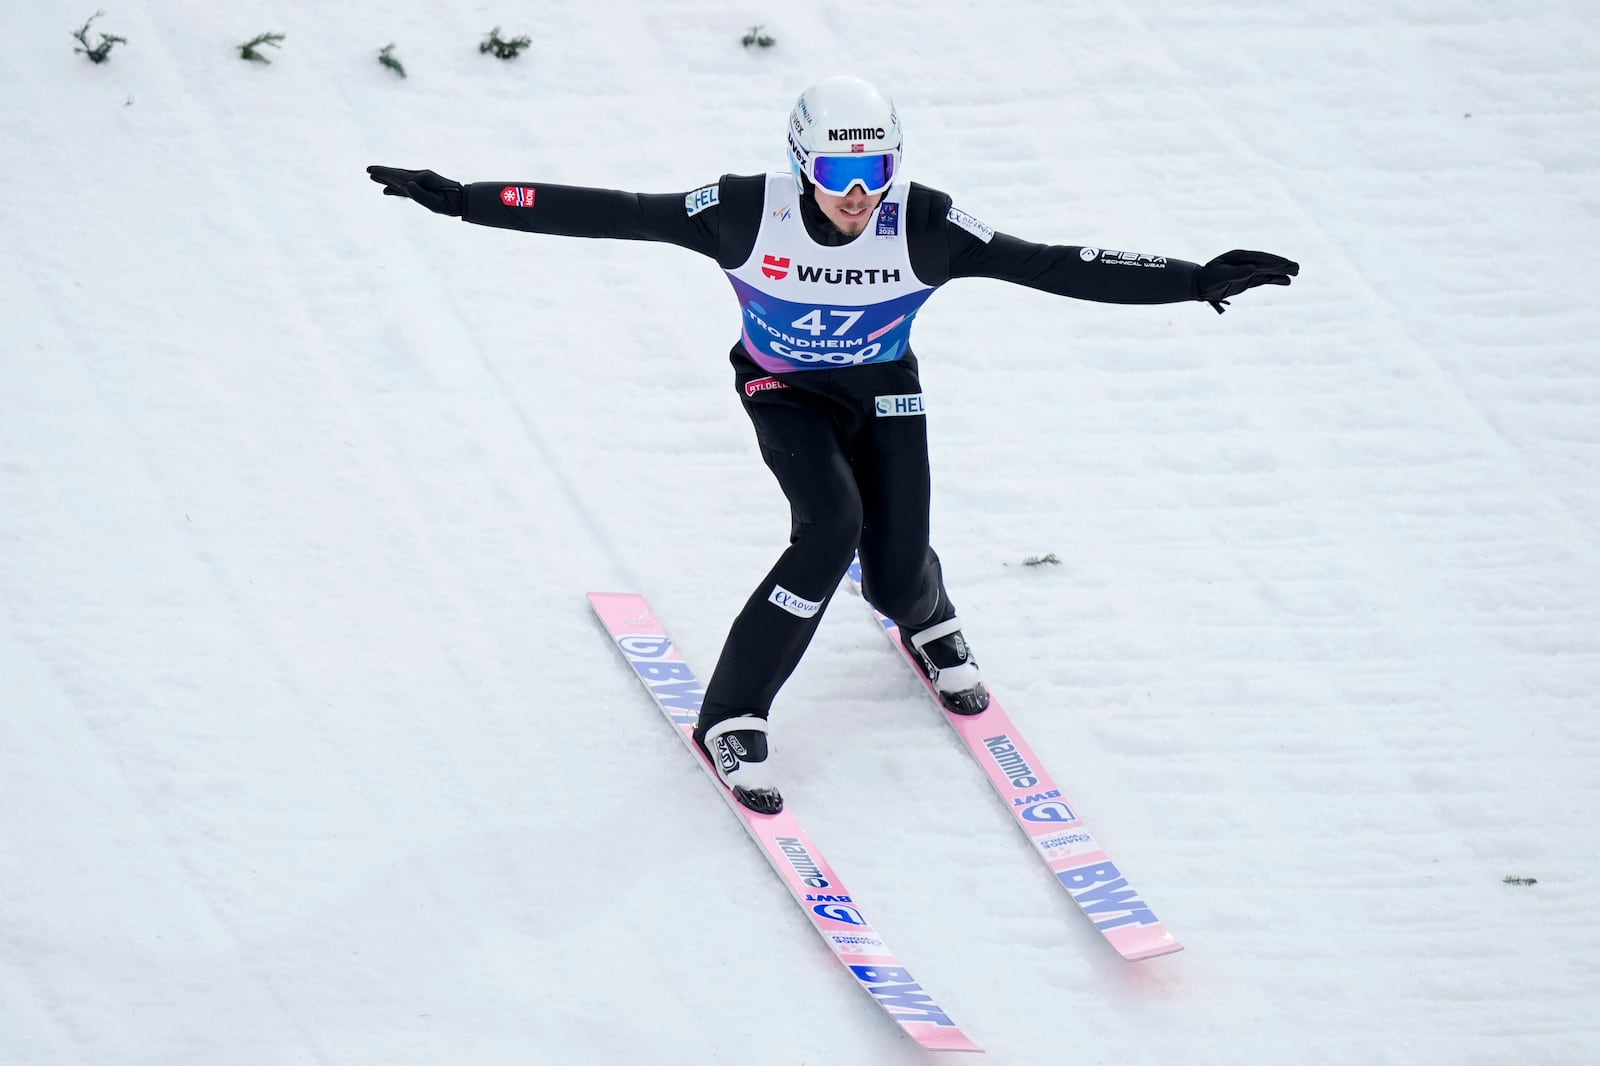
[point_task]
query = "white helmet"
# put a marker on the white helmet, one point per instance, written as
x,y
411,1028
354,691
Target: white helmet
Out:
x,y
844,132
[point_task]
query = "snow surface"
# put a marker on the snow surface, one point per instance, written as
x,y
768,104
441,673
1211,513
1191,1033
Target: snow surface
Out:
x,y
310,751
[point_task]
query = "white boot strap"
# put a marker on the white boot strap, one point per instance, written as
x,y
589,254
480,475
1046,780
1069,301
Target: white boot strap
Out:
x,y
943,629
733,725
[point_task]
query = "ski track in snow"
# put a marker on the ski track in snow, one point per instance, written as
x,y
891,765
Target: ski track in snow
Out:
x,y
310,752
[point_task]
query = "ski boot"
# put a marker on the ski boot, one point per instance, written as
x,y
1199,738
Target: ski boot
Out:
x,y
945,660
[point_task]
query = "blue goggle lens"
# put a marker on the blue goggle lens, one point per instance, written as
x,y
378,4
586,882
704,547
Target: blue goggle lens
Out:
x,y
836,173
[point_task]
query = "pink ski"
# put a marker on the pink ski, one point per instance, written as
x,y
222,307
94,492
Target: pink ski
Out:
x,y
823,897
1043,813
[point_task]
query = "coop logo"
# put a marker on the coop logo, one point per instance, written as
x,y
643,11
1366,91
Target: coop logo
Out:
x,y
1133,259
804,865
795,605
699,200
898,406
762,385
1010,760
775,267
517,196
856,133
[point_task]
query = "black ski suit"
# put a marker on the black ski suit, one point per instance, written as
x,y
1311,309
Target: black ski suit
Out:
x,y
855,482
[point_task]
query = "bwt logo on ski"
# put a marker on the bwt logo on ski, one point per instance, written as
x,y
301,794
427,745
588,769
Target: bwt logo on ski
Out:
x,y
856,133
804,865
902,997
512,196
1105,896
669,680
1010,761
1044,807
840,913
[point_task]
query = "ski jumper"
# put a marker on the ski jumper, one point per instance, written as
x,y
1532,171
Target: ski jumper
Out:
x,y
824,369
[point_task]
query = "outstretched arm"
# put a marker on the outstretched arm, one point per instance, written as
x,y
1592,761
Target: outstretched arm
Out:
x,y
692,220
959,246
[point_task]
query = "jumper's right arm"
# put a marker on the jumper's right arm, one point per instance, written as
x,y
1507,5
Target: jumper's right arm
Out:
x,y
692,220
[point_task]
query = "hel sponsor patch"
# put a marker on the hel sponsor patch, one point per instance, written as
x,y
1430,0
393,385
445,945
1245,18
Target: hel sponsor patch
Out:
x,y
699,200
517,196
897,406
888,220
795,605
983,232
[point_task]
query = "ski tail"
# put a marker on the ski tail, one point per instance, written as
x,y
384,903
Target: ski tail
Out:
x,y
833,912
1048,818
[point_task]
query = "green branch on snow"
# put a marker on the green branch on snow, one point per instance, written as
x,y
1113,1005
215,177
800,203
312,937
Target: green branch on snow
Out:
x,y
756,37
386,57
248,49
497,46
97,53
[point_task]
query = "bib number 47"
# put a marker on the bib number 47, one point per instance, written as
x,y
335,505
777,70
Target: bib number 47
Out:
x,y
812,322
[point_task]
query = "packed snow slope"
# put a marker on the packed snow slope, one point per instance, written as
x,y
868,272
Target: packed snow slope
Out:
x,y
311,753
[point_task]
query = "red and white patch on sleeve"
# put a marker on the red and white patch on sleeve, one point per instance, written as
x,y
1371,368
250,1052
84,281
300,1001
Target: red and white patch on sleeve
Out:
x,y
516,196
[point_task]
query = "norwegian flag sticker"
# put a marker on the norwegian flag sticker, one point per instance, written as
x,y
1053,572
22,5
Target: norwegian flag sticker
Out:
x,y
514,196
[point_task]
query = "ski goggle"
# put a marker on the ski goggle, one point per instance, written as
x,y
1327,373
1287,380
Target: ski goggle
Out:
x,y
874,172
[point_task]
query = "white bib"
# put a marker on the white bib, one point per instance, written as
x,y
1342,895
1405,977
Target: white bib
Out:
x,y
809,306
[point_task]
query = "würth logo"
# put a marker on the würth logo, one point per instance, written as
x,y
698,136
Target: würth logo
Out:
x,y
833,276
513,196
775,267
857,133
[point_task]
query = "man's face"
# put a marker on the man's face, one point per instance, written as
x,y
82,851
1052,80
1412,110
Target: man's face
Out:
x,y
850,211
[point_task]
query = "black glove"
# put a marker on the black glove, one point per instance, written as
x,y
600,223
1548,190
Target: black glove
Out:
x,y
1231,273
436,193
